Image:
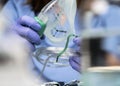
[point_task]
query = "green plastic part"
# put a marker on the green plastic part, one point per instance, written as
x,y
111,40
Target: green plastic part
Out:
x,y
43,26
65,48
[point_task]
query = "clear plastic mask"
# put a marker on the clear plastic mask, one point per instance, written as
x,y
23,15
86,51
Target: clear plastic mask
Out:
x,y
58,15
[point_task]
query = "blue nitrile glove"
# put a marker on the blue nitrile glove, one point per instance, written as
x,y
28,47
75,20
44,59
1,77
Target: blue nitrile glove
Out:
x,y
77,41
75,60
27,28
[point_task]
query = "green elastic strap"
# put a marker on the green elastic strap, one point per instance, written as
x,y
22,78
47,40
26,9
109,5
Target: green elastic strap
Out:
x,y
66,45
43,26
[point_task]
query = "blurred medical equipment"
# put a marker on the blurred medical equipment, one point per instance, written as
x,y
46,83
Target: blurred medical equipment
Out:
x,y
89,33
72,83
51,84
97,76
102,76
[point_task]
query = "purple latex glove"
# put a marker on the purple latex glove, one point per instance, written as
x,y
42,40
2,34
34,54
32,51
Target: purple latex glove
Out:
x,y
75,60
75,63
77,41
27,28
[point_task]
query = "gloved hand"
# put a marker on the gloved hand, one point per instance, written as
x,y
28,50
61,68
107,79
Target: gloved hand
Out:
x,y
27,28
75,60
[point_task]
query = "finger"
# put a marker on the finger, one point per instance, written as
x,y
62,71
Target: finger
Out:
x,y
75,65
76,59
30,22
77,41
29,34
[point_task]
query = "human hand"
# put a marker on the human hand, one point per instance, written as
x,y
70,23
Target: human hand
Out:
x,y
75,63
77,41
27,28
75,60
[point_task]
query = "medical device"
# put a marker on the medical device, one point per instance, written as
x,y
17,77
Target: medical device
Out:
x,y
57,21
72,83
47,57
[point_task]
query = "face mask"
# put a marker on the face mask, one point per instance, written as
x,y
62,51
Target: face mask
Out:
x,y
44,60
57,19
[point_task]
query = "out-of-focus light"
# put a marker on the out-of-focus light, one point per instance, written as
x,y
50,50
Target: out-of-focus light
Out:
x,y
99,7
15,67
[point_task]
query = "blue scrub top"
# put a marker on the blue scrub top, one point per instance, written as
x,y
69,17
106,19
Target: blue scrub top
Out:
x,y
14,9
111,20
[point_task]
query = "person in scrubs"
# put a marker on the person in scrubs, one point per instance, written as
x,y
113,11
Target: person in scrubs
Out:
x,y
20,19
111,45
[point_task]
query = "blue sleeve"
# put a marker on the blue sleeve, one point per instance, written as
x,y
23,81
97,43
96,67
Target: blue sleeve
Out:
x,y
9,12
112,20
112,45
14,9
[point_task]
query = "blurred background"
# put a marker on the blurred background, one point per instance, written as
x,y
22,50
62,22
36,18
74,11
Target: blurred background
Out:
x,y
96,47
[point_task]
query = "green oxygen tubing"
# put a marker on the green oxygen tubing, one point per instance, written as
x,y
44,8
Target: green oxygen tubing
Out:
x,y
66,46
43,26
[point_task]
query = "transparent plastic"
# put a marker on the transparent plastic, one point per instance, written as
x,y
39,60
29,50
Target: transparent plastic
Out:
x,y
58,15
49,54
